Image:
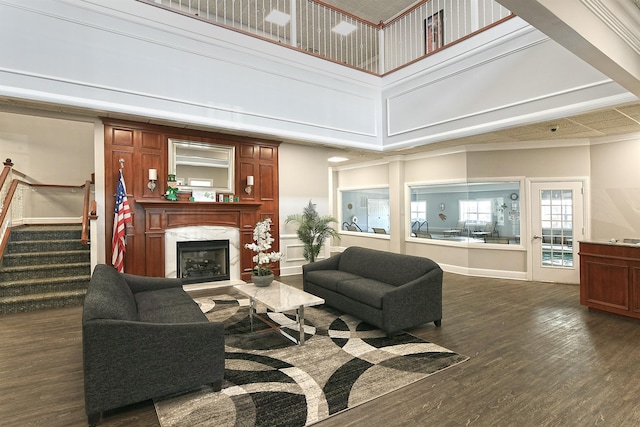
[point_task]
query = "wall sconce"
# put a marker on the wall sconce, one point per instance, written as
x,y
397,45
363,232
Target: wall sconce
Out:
x,y
247,189
153,177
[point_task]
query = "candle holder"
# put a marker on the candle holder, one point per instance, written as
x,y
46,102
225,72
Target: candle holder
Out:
x,y
153,178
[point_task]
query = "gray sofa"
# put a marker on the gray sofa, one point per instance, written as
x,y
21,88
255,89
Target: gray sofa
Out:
x,y
142,338
387,290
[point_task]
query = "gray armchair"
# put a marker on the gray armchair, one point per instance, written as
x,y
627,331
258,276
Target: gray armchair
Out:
x,y
144,338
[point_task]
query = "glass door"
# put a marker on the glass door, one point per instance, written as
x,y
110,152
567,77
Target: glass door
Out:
x,y
557,224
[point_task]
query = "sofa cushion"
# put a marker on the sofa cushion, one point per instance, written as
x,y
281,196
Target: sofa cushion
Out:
x,y
366,291
394,269
172,305
108,296
329,279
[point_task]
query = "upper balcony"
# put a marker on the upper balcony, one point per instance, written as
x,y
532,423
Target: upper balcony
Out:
x,y
318,29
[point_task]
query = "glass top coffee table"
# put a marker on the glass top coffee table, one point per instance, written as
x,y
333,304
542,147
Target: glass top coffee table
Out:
x,y
279,298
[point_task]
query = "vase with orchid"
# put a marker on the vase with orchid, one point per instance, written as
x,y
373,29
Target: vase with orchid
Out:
x,y
261,246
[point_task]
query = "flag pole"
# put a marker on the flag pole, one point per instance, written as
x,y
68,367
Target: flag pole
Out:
x,y
122,217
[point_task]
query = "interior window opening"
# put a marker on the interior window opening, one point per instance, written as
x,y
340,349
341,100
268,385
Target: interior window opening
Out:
x,y
484,212
365,210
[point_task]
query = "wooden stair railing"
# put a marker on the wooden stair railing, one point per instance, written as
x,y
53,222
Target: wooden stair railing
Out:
x,y
88,210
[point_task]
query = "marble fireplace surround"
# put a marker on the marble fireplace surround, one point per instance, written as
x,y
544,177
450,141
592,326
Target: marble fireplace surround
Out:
x,y
199,233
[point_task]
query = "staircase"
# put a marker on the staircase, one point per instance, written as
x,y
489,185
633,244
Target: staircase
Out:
x,y
44,266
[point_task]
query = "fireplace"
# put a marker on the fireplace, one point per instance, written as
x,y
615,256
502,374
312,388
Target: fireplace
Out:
x,y
203,261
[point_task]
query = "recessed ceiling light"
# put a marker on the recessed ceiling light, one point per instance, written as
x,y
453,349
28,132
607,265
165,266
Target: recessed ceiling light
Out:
x,y
337,159
277,17
344,28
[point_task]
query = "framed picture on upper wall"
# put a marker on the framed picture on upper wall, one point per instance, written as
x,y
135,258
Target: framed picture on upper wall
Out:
x,y
434,32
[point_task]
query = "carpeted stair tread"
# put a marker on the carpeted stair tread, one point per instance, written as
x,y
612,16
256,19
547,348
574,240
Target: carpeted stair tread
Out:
x,y
46,231
43,258
25,303
42,296
29,246
44,286
42,267
82,251
49,280
47,227
45,271
46,241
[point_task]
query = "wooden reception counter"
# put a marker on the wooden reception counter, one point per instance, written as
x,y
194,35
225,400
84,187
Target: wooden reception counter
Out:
x,y
610,277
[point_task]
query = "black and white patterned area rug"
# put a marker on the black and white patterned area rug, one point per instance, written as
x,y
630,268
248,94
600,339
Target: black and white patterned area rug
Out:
x,y
270,381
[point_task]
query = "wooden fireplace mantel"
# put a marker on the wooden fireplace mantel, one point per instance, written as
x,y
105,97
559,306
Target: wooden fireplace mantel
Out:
x,y
161,215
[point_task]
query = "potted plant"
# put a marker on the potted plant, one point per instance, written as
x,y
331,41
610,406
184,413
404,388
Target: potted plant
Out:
x,y
313,230
262,274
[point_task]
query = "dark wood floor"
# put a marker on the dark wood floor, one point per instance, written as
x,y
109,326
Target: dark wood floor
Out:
x,y
538,358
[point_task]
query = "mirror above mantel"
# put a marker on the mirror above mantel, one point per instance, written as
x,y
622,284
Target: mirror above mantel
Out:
x,y
202,166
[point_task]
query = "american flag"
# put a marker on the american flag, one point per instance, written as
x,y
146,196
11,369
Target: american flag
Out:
x,y
121,218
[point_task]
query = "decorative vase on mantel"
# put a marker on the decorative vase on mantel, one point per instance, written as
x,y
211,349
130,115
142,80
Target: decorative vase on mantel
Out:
x,y
262,281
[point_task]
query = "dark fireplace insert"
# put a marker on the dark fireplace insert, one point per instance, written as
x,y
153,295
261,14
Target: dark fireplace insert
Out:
x,y
203,261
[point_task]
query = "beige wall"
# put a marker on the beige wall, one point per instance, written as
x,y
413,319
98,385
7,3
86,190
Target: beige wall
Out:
x,y
49,151
304,176
531,163
615,189
438,168
370,176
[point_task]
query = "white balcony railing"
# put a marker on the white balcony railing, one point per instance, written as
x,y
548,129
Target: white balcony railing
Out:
x,y
434,24
375,48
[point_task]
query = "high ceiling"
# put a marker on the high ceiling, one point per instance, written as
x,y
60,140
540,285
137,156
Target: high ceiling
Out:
x,y
383,10
373,10
619,120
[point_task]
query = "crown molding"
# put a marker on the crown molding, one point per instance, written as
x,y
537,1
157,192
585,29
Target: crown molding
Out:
x,y
611,11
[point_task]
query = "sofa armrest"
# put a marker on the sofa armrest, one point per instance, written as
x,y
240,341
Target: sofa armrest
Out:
x,y
129,361
419,299
330,263
143,283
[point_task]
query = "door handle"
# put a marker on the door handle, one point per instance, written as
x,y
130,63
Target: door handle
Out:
x,y
537,237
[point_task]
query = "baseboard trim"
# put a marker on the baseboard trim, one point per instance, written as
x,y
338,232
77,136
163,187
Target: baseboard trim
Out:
x,y
479,272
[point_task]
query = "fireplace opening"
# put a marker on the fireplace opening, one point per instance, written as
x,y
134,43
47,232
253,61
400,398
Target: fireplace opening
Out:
x,y
203,261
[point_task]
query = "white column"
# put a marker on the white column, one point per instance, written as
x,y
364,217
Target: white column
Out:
x,y
398,221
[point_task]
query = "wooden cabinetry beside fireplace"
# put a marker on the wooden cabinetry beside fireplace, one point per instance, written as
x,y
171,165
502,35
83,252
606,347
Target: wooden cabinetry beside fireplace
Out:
x,y
610,277
144,146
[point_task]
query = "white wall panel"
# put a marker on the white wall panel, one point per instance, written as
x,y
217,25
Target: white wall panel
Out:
x,y
509,75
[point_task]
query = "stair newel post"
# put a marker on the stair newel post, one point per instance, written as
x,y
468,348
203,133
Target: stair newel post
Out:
x,y
4,189
8,164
